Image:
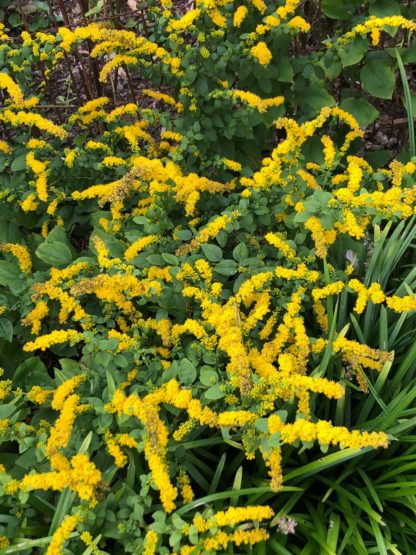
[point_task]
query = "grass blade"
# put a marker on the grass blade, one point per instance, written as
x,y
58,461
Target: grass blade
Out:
x,y
408,104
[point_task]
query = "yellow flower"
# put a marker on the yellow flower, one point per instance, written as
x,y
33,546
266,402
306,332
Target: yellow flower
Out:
x,y
70,158
373,25
136,247
111,161
186,21
171,135
40,144
330,289
38,395
401,304
232,165
325,433
215,226
5,388
21,253
221,540
235,418
6,82
3,36
79,474
375,36
185,486
43,342
299,24
126,109
64,390
239,16
321,237
27,118
277,241
61,432
120,459
150,543
261,52
35,317
29,204
4,147
374,293
98,145
233,516
329,151
167,99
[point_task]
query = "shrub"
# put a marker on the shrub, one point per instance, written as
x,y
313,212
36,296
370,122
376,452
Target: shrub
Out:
x,y
176,342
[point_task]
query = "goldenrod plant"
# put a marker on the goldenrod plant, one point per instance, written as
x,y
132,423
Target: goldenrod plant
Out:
x,y
207,310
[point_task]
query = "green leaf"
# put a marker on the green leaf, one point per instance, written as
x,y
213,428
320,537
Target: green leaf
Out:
x,y
208,377
8,272
187,372
226,267
155,260
170,258
408,104
55,254
240,252
262,425
201,86
14,19
384,8
339,9
265,85
23,544
213,253
363,111
321,464
69,367
183,234
6,329
7,409
284,70
96,9
312,97
378,77
177,521
353,52
19,163
190,76
31,372
214,393
206,500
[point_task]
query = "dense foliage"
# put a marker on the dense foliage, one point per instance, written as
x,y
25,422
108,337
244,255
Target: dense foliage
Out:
x,y
207,311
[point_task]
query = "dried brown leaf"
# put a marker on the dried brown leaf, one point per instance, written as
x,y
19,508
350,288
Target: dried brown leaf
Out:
x,y
132,4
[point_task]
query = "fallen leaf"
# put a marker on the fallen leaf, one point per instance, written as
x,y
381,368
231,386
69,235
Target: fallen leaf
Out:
x,y
132,4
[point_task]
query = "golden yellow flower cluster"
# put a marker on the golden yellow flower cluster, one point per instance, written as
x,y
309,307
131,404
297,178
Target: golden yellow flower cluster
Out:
x,y
374,25
78,474
44,342
62,534
21,253
15,92
262,54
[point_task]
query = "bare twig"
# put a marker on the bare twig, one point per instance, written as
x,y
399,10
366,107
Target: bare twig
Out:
x,y
85,78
